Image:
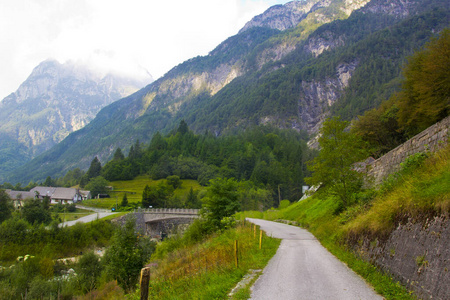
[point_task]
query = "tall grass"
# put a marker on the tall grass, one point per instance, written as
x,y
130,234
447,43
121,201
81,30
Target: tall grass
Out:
x,y
420,190
207,270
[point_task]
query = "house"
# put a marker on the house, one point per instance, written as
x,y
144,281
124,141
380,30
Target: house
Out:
x,y
61,195
18,197
43,191
66,195
85,195
56,195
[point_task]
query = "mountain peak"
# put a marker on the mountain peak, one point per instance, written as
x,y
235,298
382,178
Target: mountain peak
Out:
x,y
55,100
281,16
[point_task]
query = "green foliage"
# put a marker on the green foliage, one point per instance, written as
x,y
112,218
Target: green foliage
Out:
x,y
97,185
124,202
268,157
183,128
206,269
127,254
89,269
284,204
371,47
424,99
49,181
221,201
17,237
157,196
174,181
72,178
64,207
333,169
95,169
40,275
6,206
36,211
380,129
412,162
118,155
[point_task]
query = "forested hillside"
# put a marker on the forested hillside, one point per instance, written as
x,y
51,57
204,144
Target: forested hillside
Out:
x,y
289,79
268,161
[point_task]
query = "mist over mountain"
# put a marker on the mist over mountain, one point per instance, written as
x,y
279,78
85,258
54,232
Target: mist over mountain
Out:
x,y
290,67
55,100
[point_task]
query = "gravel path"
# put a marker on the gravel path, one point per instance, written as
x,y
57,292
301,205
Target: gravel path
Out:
x,y
303,269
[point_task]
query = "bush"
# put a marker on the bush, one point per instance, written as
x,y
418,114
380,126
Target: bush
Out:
x,y
284,204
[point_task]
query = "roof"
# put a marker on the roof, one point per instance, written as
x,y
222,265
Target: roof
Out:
x,y
64,193
23,195
43,190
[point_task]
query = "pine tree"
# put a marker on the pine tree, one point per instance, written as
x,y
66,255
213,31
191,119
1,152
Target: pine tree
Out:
x,y
124,202
94,169
118,155
183,128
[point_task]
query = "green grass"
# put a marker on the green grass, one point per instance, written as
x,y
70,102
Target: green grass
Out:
x,y
134,188
79,213
207,270
419,192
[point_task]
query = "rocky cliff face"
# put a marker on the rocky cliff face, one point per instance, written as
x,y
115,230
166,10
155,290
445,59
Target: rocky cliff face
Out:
x,y
318,96
273,72
55,100
179,87
282,17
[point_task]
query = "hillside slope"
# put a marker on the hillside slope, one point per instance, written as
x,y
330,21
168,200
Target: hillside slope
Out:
x,y
55,100
290,79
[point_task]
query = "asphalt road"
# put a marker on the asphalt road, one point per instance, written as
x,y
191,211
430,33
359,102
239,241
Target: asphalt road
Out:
x,y
303,269
98,213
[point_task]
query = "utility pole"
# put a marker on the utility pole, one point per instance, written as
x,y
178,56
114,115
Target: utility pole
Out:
x,y
279,195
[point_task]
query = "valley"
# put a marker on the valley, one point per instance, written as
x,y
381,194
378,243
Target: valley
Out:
x,y
332,116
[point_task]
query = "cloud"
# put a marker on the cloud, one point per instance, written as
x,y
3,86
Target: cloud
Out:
x,y
129,37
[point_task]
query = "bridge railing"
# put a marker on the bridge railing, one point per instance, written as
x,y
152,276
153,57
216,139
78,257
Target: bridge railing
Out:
x,y
169,210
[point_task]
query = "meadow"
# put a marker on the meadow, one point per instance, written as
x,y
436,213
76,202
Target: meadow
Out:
x,y
134,189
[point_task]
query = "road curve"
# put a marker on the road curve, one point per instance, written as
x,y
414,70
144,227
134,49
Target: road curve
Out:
x,y
303,269
98,213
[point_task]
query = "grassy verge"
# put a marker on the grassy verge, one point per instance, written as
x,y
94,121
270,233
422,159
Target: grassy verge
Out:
x,y
419,191
208,270
317,215
74,215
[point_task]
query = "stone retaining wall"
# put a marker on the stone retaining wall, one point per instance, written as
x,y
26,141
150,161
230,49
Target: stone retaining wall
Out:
x,y
417,254
431,139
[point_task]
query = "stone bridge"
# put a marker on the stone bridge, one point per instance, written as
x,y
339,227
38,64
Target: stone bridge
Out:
x,y
160,222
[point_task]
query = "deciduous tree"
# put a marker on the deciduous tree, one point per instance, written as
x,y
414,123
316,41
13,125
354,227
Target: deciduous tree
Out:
x,y
333,169
221,200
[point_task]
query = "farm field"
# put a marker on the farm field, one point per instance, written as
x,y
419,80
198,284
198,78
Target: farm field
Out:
x,y
134,188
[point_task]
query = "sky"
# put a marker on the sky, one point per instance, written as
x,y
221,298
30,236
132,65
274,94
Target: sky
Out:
x,y
132,37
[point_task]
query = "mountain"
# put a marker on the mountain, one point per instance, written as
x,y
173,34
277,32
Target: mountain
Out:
x,y
290,67
55,100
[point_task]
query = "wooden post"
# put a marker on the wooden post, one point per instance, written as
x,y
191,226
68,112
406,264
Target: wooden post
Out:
x,y
144,282
260,239
236,253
